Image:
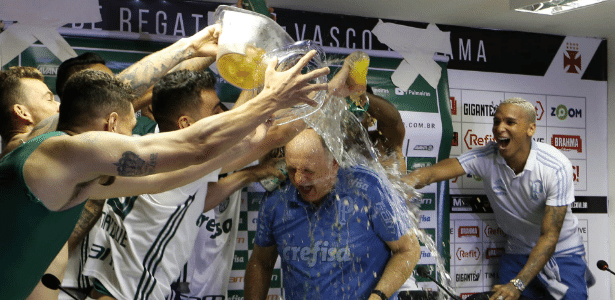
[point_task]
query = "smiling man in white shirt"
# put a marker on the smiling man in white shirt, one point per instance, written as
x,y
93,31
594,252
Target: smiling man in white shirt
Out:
x,y
530,187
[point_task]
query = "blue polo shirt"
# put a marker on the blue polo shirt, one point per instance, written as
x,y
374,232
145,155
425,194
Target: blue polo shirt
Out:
x,y
336,250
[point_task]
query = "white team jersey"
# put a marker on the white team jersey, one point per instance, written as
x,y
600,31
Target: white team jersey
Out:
x,y
141,242
73,275
519,201
213,253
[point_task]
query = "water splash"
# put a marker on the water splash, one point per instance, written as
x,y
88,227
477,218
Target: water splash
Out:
x,y
350,144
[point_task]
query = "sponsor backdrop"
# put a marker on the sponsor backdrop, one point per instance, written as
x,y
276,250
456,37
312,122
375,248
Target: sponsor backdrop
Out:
x,y
564,77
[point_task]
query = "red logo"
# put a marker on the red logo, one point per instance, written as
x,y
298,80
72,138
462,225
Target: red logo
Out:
x,y
542,111
455,141
453,103
489,231
567,142
472,139
572,58
576,177
468,231
494,253
461,254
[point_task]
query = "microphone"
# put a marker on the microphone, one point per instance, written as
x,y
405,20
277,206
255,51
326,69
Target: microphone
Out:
x,y
423,271
602,265
52,282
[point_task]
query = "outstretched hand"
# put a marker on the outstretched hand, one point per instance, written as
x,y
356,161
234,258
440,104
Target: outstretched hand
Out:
x,y
291,87
205,42
266,169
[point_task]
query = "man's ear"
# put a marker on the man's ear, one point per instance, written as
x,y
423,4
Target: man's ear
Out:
x,y
23,113
112,122
531,129
184,121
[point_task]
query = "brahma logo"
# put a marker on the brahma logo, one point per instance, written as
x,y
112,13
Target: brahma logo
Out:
x,y
472,140
453,103
572,58
494,252
490,231
468,231
567,142
461,254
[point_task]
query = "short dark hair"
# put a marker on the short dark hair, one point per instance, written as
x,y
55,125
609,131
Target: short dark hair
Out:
x,y
74,65
10,93
177,93
89,93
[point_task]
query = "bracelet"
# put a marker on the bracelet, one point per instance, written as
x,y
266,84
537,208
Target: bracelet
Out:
x,y
381,294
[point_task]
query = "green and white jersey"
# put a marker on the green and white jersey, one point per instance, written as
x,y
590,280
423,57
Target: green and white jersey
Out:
x,y
141,242
213,253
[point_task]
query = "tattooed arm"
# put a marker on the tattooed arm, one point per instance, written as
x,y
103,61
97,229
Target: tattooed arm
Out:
x,y
218,191
90,214
541,253
150,69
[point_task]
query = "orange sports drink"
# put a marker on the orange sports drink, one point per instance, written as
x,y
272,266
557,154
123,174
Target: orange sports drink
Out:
x,y
243,70
357,77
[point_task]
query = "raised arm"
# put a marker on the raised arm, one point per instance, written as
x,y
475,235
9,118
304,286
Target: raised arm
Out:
x,y
218,191
61,168
405,254
444,170
150,69
541,253
162,182
389,124
259,271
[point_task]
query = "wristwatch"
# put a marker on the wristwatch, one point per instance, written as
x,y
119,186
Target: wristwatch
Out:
x,y
518,284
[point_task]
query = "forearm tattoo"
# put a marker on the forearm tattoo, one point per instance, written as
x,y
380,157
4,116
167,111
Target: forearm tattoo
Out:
x,y
144,74
132,165
90,214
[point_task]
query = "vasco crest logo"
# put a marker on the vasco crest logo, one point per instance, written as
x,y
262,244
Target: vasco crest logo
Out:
x,y
572,58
